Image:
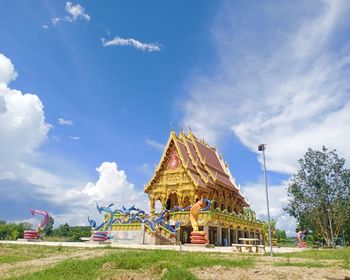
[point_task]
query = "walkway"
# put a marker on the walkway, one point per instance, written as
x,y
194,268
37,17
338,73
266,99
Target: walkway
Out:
x,y
183,248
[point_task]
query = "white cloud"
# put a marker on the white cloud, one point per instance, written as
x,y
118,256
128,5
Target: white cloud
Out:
x,y
117,41
278,199
76,12
75,138
62,121
146,169
22,120
64,193
154,144
114,187
55,20
7,70
282,79
287,88
56,138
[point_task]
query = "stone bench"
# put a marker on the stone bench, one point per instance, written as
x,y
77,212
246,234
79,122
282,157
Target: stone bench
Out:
x,y
249,247
240,246
84,239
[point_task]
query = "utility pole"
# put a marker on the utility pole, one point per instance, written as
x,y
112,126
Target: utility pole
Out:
x,y
261,147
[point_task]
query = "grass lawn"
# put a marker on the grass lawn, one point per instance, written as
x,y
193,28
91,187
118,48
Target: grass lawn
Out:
x,y
13,258
340,255
114,263
169,264
13,253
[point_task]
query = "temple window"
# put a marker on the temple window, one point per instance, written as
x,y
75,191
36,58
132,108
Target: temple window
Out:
x,y
187,201
158,206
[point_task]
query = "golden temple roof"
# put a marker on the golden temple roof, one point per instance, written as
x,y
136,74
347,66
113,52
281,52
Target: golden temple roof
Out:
x,y
202,163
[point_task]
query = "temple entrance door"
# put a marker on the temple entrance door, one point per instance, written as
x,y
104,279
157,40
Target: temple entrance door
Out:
x,y
240,235
213,235
224,237
233,239
185,233
172,201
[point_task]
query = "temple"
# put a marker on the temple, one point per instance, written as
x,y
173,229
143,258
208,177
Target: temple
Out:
x,y
193,186
190,168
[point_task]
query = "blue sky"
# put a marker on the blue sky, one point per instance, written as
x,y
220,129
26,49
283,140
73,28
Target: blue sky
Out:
x,y
89,92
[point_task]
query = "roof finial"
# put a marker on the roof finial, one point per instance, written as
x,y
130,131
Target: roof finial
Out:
x,y
190,131
172,126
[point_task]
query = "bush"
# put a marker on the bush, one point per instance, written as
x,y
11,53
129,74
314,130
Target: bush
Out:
x,y
12,231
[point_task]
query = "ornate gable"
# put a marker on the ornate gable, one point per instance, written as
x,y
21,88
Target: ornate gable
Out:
x,y
188,168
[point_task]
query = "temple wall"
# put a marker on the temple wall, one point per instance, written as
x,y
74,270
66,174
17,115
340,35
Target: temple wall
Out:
x,y
138,237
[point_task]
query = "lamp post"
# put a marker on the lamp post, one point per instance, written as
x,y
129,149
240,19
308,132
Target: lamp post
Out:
x,y
330,226
261,147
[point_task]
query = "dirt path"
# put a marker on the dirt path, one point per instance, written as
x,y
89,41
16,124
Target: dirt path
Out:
x,y
267,272
24,267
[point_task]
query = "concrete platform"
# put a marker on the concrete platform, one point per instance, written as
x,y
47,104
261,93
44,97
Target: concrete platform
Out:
x,y
181,248
29,240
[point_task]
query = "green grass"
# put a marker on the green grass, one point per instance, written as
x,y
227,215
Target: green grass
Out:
x,y
11,253
13,259
319,254
157,264
342,256
170,264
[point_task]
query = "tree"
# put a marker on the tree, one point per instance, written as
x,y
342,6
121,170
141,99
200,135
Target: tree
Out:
x,y
280,235
12,231
265,229
63,230
49,227
319,192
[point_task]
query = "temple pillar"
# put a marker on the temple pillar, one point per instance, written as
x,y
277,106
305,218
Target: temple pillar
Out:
x,y
219,239
152,204
163,201
180,199
192,198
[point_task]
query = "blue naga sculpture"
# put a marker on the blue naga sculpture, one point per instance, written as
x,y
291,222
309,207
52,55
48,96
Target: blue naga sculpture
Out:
x,y
132,214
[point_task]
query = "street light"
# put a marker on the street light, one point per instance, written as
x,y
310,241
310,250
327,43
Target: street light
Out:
x,y
261,147
330,226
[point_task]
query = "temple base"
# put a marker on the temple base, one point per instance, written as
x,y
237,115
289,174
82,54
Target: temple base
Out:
x,y
29,240
199,237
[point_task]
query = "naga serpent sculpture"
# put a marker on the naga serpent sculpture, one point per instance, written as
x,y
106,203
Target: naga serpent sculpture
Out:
x,y
198,237
102,236
154,223
35,234
195,209
194,213
92,222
